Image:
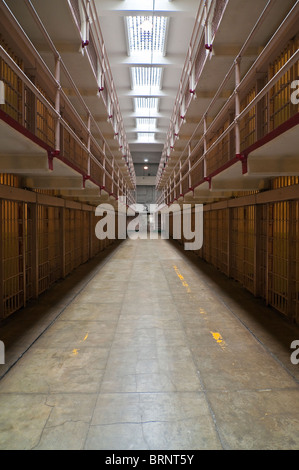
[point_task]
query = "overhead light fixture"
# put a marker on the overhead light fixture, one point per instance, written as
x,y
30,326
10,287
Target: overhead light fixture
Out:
x,y
146,159
147,25
145,167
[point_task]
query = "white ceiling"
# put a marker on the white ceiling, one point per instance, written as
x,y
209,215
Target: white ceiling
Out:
x,y
181,14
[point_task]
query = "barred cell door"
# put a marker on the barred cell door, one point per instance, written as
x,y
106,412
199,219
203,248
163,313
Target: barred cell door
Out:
x,y
16,259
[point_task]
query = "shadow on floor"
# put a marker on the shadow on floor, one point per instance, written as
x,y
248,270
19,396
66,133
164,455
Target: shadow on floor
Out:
x,y
21,329
270,327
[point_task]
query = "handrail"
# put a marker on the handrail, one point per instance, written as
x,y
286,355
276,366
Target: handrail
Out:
x,y
228,75
14,66
261,94
19,72
55,113
290,62
103,59
197,37
65,70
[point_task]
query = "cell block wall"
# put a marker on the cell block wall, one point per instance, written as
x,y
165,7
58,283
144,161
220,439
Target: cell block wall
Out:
x,y
257,244
41,243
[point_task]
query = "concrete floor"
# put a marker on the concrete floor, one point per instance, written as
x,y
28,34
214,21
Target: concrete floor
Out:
x,y
150,348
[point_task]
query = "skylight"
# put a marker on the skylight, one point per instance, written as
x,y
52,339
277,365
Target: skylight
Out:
x,y
146,106
146,124
146,137
146,79
146,34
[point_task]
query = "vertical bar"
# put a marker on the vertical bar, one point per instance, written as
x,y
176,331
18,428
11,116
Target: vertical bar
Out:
x,y
104,172
23,234
237,106
1,262
62,241
259,110
88,141
90,218
57,103
229,241
34,217
189,168
292,261
205,145
180,175
268,231
257,250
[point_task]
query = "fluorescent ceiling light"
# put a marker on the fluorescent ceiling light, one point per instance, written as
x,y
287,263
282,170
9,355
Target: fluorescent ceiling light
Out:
x,y
146,34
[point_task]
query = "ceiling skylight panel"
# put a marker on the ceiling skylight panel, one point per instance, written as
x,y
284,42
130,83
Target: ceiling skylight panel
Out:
x,y
146,124
146,106
146,78
146,34
146,137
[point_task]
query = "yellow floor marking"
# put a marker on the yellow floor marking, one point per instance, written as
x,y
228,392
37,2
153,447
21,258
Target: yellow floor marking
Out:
x,y
218,338
184,283
75,351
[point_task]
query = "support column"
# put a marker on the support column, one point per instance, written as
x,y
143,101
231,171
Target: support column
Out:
x,y
229,241
33,208
88,142
205,145
237,107
189,168
57,105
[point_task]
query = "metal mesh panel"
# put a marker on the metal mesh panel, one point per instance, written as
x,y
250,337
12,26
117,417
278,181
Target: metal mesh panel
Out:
x,y
248,123
219,9
44,122
13,85
281,106
220,154
72,150
76,11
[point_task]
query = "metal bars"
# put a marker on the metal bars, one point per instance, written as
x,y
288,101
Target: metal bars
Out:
x,y
40,244
262,102
257,244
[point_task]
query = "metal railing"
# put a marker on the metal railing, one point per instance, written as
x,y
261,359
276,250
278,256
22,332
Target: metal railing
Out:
x,y
240,130
85,13
59,133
